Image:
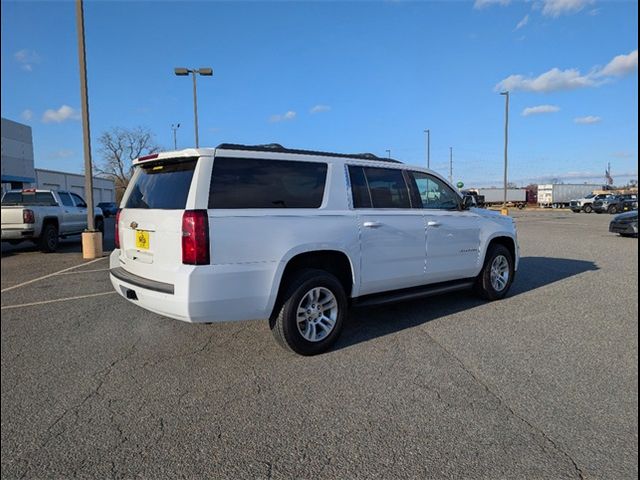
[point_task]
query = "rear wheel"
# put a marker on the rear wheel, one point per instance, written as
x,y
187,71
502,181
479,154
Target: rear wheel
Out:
x,y
496,276
48,238
310,316
588,208
612,209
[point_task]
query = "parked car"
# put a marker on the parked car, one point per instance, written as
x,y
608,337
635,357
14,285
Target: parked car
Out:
x,y
625,224
610,204
585,204
44,216
294,236
109,209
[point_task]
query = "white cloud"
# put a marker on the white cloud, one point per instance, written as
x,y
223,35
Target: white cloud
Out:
x,y
64,113
320,108
555,8
26,115
26,58
624,155
556,80
539,109
551,81
522,22
289,115
480,4
64,153
588,120
621,65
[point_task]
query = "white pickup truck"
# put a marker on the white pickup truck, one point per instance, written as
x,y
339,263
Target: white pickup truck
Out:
x,y
44,216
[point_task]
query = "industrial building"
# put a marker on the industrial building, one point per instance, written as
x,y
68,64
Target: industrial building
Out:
x,y
18,170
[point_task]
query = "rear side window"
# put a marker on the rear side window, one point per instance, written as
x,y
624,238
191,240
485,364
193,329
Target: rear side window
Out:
x,y
162,185
259,183
387,188
65,198
29,198
359,188
79,201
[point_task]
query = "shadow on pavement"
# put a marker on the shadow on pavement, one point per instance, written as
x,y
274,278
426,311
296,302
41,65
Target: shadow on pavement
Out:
x,y
372,322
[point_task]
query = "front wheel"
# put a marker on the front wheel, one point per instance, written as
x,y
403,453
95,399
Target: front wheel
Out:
x,y
588,209
496,276
310,316
612,210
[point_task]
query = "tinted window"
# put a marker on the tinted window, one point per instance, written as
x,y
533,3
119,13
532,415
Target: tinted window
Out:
x,y
28,198
434,193
387,188
359,188
162,185
79,201
258,183
65,198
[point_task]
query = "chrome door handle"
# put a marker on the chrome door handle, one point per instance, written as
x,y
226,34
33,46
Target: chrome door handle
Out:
x,y
433,224
372,224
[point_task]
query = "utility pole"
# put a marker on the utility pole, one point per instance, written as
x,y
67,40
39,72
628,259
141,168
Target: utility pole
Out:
x,y
450,164
91,239
506,146
428,132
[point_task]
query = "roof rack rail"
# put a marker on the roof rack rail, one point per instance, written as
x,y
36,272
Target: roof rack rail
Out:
x,y
276,147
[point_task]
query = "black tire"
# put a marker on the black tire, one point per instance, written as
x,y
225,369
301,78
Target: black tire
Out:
x,y
575,211
483,285
587,208
612,210
99,224
48,241
284,324
15,242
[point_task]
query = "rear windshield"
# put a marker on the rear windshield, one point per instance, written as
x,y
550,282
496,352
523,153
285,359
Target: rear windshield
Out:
x,y
261,183
28,198
162,185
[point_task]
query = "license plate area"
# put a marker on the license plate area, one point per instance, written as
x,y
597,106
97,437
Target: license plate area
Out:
x,y
142,239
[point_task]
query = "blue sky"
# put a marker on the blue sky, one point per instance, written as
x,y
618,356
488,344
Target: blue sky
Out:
x,y
342,76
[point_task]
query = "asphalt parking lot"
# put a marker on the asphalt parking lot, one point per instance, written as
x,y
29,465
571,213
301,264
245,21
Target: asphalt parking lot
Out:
x,y
543,384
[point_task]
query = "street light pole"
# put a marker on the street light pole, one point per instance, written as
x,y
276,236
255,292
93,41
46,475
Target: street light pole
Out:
x,y
207,71
450,164
388,153
175,128
506,145
428,132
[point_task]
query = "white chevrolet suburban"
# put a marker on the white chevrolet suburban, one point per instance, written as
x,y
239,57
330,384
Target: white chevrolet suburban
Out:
x,y
295,236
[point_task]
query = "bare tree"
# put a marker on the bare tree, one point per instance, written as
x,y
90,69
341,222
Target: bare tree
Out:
x,y
119,147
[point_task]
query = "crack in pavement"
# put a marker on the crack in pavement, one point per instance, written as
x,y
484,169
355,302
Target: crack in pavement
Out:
x,y
105,372
536,429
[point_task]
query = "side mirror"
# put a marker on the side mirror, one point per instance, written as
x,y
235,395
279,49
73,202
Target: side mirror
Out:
x,y
468,201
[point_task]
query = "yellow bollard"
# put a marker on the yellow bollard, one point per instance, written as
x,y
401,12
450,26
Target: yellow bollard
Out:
x,y
91,245
504,211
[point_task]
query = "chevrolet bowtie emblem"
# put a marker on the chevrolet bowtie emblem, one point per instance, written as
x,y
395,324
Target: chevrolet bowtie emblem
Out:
x,y
133,225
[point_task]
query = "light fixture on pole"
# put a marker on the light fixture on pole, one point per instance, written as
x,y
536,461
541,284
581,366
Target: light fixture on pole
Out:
x,y
388,153
206,72
506,149
91,238
428,132
175,128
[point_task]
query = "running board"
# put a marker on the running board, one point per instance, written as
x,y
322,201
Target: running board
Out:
x,y
412,293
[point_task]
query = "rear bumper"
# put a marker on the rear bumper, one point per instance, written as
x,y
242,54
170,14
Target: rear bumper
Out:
x,y
17,233
212,293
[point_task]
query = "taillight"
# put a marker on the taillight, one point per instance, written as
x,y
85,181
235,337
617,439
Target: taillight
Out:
x,y
28,216
117,230
195,237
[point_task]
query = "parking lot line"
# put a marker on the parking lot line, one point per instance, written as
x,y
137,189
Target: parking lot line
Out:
x,y
13,287
8,307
